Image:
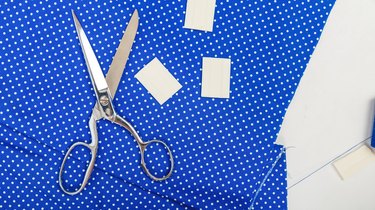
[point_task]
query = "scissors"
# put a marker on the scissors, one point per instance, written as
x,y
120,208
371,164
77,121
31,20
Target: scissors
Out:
x,y
105,89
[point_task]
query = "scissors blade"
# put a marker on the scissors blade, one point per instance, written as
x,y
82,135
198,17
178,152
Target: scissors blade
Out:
x,y
96,74
119,61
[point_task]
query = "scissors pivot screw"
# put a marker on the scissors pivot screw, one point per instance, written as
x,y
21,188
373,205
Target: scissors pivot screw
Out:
x,y
109,111
104,100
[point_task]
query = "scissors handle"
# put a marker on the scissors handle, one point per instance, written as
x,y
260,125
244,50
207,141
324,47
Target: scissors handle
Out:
x,y
143,145
93,147
143,163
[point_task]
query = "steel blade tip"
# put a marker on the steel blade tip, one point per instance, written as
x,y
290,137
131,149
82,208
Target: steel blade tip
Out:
x,y
73,14
77,24
135,13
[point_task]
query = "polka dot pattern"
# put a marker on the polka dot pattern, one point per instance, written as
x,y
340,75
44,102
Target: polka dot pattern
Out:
x,y
223,148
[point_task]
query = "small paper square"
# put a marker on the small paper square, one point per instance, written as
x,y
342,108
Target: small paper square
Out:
x,y
354,162
200,14
216,77
159,82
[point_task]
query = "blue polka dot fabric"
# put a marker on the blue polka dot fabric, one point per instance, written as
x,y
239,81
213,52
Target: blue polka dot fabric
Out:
x,y
224,151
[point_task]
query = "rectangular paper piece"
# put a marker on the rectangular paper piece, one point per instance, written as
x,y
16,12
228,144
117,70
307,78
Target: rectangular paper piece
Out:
x,y
200,14
158,81
216,77
353,162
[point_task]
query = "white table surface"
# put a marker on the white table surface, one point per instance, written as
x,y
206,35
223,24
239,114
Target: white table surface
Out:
x,y
332,111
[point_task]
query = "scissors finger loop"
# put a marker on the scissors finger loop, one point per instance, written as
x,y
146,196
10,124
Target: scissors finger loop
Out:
x,y
143,147
93,149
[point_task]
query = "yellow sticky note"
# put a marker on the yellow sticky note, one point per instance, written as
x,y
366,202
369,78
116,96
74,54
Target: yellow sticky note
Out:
x,y
216,77
200,14
158,81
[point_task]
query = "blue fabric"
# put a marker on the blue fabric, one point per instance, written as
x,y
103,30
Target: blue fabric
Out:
x,y
223,148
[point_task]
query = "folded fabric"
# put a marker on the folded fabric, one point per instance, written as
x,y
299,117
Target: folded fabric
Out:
x,y
223,148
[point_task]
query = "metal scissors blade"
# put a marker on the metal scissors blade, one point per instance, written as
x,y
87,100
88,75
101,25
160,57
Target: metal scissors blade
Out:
x,y
96,73
118,63
121,57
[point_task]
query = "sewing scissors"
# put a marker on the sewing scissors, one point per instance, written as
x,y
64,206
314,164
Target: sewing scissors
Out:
x,y
105,89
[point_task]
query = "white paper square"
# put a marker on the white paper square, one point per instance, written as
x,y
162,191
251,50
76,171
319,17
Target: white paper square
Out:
x,y
200,14
354,162
158,81
216,77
